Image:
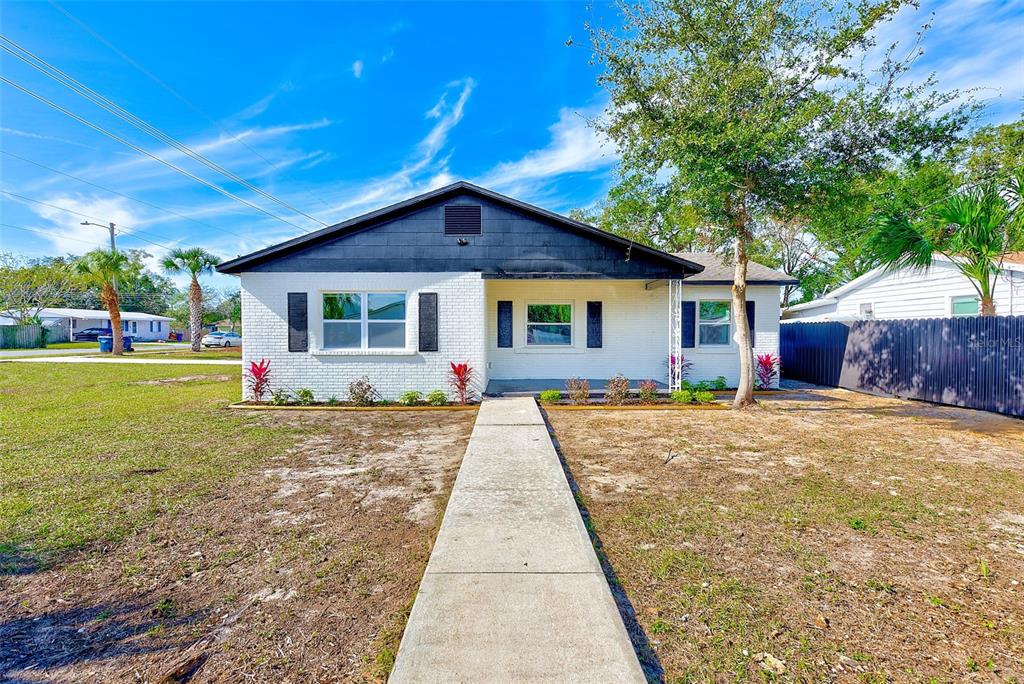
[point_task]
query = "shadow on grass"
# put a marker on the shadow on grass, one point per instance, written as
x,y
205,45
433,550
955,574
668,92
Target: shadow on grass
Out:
x,y
641,644
16,560
35,643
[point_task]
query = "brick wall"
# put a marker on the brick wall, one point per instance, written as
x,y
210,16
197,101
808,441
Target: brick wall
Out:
x,y
328,373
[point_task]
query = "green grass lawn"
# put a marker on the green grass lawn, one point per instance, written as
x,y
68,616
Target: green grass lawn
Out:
x,y
204,353
87,454
73,345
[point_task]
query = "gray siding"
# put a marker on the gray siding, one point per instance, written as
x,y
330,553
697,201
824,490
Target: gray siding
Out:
x,y
512,245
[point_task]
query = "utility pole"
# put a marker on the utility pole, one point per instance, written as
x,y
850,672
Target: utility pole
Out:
x,y
113,245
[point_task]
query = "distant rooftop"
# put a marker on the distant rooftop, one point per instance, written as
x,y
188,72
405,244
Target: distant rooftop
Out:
x,y
99,314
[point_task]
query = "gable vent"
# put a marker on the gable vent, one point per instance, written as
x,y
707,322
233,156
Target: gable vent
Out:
x,y
462,219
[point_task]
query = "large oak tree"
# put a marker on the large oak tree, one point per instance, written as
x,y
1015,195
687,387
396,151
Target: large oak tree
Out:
x,y
752,111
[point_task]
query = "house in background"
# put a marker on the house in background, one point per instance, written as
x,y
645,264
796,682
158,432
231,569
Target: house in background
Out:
x,y
938,292
64,323
527,297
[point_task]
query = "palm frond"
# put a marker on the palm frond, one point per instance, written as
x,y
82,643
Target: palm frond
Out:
x,y
896,243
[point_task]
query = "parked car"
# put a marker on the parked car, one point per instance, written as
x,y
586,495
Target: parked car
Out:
x,y
222,339
90,334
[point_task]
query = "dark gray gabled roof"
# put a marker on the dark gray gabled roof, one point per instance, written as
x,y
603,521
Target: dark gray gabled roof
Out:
x,y
719,272
276,256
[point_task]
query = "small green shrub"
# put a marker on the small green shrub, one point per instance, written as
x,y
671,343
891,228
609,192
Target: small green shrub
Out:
x,y
702,386
437,398
578,390
550,396
687,385
858,524
704,397
616,390
333,400
410,398
280,397
719,383
648,392
682,396
304,396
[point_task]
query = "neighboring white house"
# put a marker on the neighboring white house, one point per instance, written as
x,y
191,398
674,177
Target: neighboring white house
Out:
x,y
939,292
67,322
527,297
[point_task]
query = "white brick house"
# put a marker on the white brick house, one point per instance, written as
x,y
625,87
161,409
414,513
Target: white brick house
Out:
x,y
526,297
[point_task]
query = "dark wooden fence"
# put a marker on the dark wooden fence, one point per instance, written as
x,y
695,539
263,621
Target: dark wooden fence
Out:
x,y
976,362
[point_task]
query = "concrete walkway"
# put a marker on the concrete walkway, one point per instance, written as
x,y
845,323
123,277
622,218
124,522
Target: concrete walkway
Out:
x,y
513,591
93,359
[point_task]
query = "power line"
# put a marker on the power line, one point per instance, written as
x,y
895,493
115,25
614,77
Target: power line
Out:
x,y
132,232
181,98
110,190
41,65
140,150
47,233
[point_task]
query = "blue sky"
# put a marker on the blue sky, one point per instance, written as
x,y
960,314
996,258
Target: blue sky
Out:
x,y
339,108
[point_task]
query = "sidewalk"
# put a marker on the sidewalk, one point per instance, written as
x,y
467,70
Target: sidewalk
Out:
x,y
513,591
93,359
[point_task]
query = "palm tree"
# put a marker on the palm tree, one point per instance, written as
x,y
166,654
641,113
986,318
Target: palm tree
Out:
x,y
974,230
195,261
104,268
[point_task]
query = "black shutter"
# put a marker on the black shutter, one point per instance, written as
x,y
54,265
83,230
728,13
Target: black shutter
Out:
x,y
428,321
298,322
689,319
594,328
504,324
750,322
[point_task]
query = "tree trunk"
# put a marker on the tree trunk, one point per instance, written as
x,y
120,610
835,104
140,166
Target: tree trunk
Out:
x,y
745,389
195,312
988,306
110,298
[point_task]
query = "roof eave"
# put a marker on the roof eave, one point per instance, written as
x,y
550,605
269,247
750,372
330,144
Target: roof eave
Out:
x,y
238,264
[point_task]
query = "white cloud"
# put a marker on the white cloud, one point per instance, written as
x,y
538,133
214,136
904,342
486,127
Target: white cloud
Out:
x,y
66,233
139,173
261,105
357,68
408,179
972,44
575,146
37,136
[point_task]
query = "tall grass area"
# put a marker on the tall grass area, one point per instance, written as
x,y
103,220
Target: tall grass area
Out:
x,y
91,452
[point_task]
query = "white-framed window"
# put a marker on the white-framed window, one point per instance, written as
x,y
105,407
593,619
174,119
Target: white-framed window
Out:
x,y
714,323
549,325
364,320
867,310
967,305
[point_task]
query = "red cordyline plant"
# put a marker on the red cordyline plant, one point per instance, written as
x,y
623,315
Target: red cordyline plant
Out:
x,y
685,365
768,366
460,377
258,378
